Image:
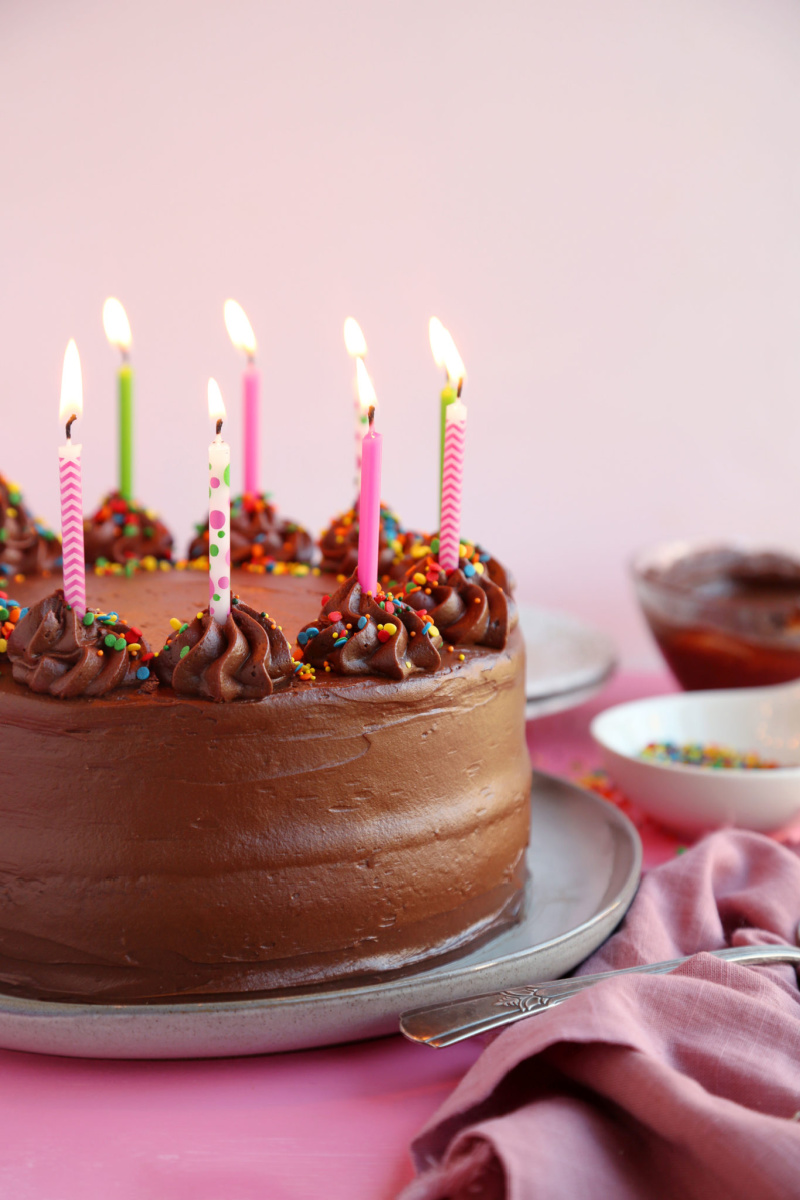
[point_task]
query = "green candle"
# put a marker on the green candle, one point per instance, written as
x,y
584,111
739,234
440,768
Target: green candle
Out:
x,y
126,431
118,332
448,397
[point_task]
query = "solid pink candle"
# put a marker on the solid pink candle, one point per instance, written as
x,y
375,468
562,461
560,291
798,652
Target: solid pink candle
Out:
x,y
452,475
369,508
251,388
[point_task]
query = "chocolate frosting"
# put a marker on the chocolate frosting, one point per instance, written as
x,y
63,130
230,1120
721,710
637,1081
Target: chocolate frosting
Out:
x,y
467,606
358,634
160,847
53,650
258,534
422,547
27,547
121,531
244,659
339,543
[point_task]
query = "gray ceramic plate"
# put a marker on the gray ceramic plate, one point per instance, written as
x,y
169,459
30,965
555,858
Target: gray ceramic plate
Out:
x,y
585,859
567,662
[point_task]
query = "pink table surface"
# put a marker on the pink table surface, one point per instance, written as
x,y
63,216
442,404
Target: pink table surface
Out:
x,y
327,1124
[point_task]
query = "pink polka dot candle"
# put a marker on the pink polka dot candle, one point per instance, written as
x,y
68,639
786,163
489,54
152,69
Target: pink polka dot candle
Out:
x,y
219,512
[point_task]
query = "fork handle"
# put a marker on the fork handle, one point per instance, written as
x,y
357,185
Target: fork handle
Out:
x,y
444,1024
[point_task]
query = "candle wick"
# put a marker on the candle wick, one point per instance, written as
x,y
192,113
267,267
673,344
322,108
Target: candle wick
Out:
x,y
371,415
460,385
69,426
251,359
125,355
219,426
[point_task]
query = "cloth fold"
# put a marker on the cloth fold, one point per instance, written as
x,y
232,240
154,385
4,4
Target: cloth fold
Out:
x,y
681,1085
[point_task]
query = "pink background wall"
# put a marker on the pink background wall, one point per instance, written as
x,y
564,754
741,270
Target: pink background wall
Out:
x,y
600,199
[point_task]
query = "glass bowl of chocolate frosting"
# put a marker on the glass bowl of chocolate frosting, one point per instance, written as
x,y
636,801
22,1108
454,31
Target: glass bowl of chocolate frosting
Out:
x,y
723,615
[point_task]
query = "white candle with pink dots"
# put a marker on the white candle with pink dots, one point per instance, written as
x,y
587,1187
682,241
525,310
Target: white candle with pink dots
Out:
x,y
219,512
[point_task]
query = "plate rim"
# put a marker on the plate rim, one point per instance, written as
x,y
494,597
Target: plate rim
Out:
x,y
578,679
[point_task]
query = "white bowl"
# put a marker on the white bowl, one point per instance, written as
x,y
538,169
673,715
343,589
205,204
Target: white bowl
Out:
x,y
763,720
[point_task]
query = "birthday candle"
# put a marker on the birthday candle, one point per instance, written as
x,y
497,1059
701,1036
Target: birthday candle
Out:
x,y
445,355
219,512
118,332
241,334
450,525
71,484
369,505
356,345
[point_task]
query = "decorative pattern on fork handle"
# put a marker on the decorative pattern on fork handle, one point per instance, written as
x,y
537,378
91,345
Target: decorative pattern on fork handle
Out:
x,y
524,999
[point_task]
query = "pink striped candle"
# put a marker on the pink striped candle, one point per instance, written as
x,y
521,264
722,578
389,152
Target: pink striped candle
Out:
x,y
369,508
71,484
452,476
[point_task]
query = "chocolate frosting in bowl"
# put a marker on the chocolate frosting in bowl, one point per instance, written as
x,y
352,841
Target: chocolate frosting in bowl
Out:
x,y
723,616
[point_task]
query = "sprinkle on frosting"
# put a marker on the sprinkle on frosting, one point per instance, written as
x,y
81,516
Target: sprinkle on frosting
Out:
x,y
259,536
352,637
123,535
27,546
339,544
244,659
55,651
467,605
474,563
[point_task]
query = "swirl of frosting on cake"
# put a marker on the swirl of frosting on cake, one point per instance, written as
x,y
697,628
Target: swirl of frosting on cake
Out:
x,y
121,531
27,547
361,634
339,543
54,650
474,561
258,535
244,659
467,605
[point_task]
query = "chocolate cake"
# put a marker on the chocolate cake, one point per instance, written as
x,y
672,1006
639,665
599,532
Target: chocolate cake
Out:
x,y
216,811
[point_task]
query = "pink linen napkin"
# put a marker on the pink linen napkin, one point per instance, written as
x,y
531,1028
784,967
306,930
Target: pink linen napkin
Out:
x,y
682,1085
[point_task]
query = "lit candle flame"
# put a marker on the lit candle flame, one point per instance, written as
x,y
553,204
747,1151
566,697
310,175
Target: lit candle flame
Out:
x,y
216,405
354,339
437,334
445,352
116,324
71,384
366,392
240,331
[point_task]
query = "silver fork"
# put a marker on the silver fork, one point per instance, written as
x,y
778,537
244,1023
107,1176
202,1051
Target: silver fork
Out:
x,y
444,1024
